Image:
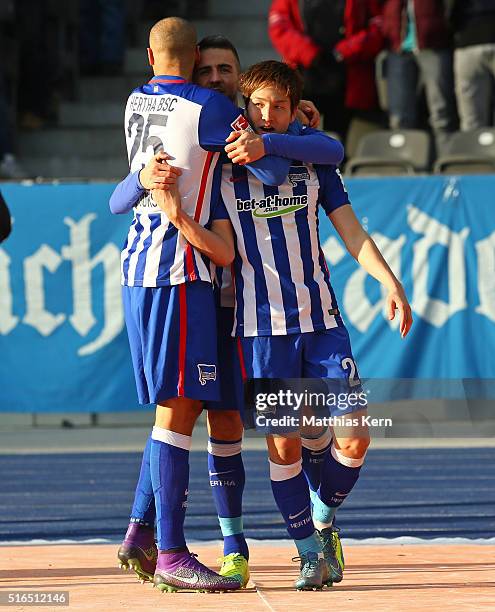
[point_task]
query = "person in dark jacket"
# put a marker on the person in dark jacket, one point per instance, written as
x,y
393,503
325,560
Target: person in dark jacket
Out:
x,y
334,45
473,24
5,222
418,36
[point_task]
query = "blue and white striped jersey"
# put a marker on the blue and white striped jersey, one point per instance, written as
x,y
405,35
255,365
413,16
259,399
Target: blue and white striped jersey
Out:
x,y
224,287
282,282
191,124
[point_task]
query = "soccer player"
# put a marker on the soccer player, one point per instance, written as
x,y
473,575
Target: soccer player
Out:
x,y
294,329
287,319
218,69
168,300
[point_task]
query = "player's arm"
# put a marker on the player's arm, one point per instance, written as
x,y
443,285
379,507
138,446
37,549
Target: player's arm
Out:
x,y
218,118
315,148
361,246
126,194
157,174
216,243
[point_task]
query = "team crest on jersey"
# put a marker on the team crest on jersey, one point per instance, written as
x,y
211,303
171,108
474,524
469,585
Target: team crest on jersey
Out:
x,y
241,123
298,174
272,205
207,372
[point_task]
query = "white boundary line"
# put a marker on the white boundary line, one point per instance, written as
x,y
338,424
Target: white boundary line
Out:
x,y
400,541
263,597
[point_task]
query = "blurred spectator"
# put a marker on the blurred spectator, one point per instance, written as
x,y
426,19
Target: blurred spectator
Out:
x,y
363,40
5,222
38,63
418,35
9,168
305,34
334,45
473,24
102,36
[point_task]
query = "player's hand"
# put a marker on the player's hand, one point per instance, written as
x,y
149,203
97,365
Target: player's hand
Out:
x,y
309,112
397,300
169,201
158,174
245,147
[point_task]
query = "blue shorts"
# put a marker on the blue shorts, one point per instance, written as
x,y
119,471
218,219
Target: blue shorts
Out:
x,y
317,355
231,389
173,340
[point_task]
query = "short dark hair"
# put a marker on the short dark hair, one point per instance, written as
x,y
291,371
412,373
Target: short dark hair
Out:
x,y
272,73
218,41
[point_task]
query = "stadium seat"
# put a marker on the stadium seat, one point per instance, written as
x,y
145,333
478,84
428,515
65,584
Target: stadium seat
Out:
x,y
391,152
470,152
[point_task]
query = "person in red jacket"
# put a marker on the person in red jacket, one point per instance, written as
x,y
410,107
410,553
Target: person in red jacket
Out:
x,y
334,44
419,39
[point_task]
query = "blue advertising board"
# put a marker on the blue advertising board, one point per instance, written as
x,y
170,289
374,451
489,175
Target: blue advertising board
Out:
x,y
62,337
438,235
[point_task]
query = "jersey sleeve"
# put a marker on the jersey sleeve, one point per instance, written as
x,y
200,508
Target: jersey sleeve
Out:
x,y
126,194
218,118
270,170
332,193
219,211
311,146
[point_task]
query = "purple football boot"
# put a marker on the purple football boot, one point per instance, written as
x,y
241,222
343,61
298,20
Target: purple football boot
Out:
x,y
181,571
138,551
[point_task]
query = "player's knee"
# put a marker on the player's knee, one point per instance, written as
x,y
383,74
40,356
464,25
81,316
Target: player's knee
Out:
x,y
224,424
178,414
354,448
284,451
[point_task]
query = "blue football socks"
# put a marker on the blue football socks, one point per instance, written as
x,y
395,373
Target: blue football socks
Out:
x,y
143,509
291,494
338,477
314,451
169,462
227,478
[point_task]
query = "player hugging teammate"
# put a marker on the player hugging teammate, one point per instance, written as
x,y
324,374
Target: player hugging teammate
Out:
x,y
287,323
